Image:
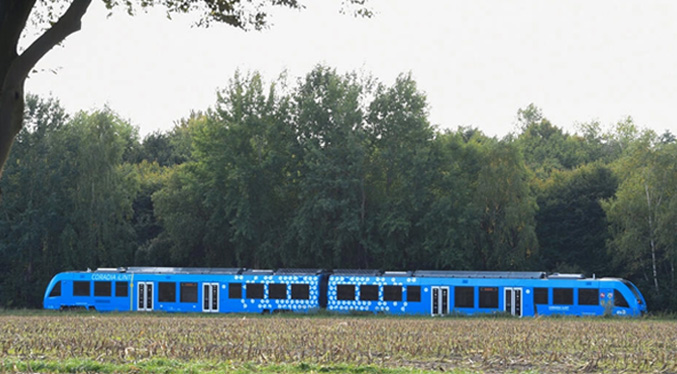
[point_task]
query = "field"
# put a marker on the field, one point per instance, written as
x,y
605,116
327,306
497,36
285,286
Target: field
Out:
x,y
89,342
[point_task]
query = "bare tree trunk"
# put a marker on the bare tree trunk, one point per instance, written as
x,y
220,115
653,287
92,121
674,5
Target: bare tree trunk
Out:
x,y
652,241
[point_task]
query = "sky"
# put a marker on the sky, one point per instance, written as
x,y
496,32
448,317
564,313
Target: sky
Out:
x,y
478,62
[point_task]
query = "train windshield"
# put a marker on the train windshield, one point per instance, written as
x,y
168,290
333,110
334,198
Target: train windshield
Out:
x,y
56,290
634,291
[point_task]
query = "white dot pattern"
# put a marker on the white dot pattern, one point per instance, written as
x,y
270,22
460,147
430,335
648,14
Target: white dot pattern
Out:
x,y
281,304
394,307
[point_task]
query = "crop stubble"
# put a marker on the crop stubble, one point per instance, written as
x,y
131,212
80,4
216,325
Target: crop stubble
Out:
x,y
486,344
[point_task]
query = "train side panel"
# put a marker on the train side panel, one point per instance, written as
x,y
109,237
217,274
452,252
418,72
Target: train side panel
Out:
x,y
274,293
588,298
399,293
520,297
210,293
391,294
427,295
91,291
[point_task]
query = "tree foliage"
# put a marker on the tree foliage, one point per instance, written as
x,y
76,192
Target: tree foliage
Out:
x,y
334,171
68,200
642,214
573,227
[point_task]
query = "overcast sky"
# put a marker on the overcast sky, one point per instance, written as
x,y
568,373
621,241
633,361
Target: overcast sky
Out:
x,y
477,61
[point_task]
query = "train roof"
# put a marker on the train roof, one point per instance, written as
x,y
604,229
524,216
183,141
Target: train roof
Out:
x,y
565,276
257,272
221,271
299,271
170,270
344,272
480,274
358,272
398,274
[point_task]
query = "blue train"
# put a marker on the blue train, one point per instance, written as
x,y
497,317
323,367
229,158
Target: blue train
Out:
x,y
436,293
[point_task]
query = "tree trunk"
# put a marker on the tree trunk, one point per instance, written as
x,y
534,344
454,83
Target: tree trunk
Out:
x,y
14,68
13,17
652,241
11,119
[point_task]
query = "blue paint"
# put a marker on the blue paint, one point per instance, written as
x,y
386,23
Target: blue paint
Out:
x,y
400,293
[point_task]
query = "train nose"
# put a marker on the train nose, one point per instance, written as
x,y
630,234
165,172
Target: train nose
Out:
x,y
642,308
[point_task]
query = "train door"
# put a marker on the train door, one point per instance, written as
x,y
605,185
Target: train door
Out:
x,y
440,301
513,300
144,292
210,297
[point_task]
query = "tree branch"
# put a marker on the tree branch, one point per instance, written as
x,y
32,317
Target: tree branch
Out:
x,y
13,17
69,23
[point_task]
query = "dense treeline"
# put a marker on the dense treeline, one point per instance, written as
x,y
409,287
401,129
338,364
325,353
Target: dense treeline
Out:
x,y
336,171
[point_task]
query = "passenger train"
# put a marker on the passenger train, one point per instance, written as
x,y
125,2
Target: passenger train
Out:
x,y
435,293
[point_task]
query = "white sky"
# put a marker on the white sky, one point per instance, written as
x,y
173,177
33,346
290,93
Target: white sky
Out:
x,y
477,61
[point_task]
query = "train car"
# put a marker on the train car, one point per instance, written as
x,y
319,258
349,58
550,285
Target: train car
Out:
x,y
439,293
391,292
207,290
436,293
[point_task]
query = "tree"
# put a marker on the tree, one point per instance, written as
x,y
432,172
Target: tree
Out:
x,y
31,215
68,202
546,147
330,220
451,217
180,210
15,67
642,214
102,191
399,173
147,177
244,153
14,16
571,225
505,237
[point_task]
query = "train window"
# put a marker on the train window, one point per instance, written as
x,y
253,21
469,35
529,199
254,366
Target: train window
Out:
x,y
540,296
619,300
300,291
166,292
188,292
56,290
254,290
277,291
121,289
234,290
392,293
103,289
413,293
588,296
563,296
464,297
368,292
488,297
633,289
81,288
345,292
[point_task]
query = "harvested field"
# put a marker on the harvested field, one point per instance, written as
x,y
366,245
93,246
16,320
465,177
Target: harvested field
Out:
x,y
545,345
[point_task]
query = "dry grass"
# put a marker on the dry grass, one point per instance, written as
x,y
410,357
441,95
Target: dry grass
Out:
x,y
489,345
